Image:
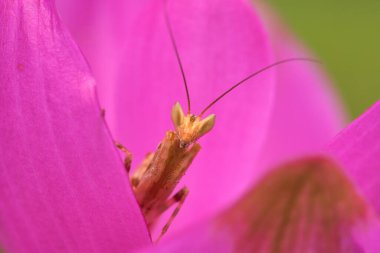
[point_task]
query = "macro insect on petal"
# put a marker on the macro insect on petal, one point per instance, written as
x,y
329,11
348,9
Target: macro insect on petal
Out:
x,y
156,178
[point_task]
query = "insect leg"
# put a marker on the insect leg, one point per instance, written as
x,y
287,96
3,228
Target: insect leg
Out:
x,y
127,158
140,171
179,198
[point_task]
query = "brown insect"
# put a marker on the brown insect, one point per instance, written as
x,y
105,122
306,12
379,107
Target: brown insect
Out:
x,y
154,181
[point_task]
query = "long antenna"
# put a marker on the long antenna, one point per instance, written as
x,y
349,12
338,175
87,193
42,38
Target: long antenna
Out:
x,y
177,55
253,75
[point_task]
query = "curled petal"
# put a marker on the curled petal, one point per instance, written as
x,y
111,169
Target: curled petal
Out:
x,y
62,184
357,148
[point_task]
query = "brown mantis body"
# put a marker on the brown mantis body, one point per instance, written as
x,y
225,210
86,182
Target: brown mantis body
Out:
x,y
155,179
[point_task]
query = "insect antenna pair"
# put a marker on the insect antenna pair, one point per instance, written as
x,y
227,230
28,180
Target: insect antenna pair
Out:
x,y
173,41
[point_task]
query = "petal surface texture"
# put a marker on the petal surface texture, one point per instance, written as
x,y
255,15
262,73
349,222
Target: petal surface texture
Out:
x,y
62,183
220,43
358,149
306,205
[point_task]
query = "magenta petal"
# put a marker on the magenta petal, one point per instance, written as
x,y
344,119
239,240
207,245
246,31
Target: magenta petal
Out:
x,y
204,238
357,148
368,236
62,183
307,205
101,29
307,112
201,237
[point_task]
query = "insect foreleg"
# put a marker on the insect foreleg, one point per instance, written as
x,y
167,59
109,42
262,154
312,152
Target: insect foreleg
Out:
x,y
179,198
127,158
140,171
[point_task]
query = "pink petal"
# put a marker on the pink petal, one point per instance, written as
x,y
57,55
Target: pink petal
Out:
x,y
368,236
101,28
307,205
200,237
220,43
358,148
62,184
307,112
203,238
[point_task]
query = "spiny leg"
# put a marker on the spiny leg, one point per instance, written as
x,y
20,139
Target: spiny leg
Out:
x,y
140,171
179,198
128,156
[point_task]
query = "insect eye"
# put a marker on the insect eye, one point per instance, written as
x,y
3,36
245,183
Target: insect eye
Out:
x,y
193,118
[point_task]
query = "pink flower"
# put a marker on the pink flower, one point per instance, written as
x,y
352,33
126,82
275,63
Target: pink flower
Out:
x,y
62,183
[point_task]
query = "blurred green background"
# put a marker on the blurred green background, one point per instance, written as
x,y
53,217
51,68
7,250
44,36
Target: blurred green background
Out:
x,y
345,35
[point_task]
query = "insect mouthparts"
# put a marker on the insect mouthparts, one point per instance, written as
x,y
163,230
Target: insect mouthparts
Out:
x,y
183,144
